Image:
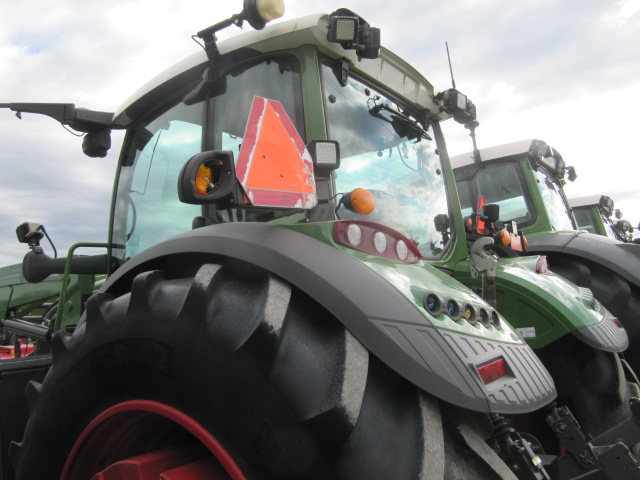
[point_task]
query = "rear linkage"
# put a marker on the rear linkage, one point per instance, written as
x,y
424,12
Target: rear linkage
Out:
x,y
605,457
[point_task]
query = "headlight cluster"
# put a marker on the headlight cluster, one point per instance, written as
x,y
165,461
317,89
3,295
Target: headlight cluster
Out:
x,y
435,305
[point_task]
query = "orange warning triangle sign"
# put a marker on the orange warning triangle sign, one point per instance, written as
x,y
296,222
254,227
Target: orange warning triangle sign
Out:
x,y
274,165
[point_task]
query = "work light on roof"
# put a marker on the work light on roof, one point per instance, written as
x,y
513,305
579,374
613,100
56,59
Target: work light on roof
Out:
x,y
606,205
344,29
352,32
457,105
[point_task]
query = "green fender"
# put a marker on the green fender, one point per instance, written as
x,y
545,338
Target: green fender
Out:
x,y
543,307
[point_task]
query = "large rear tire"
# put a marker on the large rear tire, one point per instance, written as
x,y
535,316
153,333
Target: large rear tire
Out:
x,y
619,297
235,370
592,383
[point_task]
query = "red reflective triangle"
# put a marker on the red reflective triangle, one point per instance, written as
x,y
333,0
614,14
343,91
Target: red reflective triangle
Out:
x,y
482,229
274,165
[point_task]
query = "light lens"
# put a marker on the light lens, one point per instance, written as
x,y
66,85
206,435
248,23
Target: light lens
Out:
x,y
470,314
402,250
325,153
468,224
346,29
380,242
492,371
354,235
362,201
203,179
495,319
375,239
541,265
432,303
453,309
505,238
484,317
270,9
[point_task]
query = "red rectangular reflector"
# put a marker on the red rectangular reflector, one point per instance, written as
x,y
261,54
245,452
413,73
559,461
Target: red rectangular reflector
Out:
x,y
492,370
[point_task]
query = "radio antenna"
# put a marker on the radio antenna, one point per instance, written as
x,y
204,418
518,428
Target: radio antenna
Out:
x,y
453,82
473,124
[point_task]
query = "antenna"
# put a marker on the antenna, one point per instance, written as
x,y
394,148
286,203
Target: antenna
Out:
x,y
473,124
453,82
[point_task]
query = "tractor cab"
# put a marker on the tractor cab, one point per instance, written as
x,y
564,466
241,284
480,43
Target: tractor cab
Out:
x,y
596,214
525,178
282,132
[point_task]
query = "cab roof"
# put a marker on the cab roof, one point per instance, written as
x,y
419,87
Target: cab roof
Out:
x,y
389,69
586,201
493,153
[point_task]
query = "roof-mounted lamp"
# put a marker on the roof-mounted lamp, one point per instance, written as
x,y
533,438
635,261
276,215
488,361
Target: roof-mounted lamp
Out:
x,y
257,12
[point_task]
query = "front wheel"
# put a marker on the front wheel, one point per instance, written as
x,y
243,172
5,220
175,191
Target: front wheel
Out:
x,y
230,374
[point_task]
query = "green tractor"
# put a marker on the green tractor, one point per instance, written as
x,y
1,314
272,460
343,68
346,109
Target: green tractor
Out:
x,y
20,302
595,214
279,301
526,180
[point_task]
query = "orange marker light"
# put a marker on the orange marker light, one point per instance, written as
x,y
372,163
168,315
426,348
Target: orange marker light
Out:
x,y
468,224
203,179
361,201
505,238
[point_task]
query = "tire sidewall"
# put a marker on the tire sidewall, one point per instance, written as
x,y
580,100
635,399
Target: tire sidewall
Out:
x,y
174,362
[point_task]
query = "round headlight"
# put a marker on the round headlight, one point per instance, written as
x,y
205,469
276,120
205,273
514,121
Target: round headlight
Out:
x,y
453,309
470,314
354,235
483,316
432,303
495,319
380,242
402,250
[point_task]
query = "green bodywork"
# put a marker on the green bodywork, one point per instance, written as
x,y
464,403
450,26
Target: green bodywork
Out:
x,y
19,298
541,307
16,292
415,283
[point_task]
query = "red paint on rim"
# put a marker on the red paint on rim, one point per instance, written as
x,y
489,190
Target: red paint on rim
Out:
x,y
131,429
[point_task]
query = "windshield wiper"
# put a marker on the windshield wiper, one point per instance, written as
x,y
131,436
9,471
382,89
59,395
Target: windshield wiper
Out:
x,y
403,124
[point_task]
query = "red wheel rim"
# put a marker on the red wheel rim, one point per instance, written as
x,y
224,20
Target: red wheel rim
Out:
x,y
133,440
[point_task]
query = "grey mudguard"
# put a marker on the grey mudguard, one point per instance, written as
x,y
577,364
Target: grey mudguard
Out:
x,y
622,258
440,362
606,335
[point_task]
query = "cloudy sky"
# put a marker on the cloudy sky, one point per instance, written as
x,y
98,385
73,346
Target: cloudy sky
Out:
x,y
564,71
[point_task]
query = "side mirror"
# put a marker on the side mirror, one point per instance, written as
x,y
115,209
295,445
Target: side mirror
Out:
x,y
441,222
210,178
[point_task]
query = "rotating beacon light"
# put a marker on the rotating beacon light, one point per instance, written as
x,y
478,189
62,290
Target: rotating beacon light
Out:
x,y
257,12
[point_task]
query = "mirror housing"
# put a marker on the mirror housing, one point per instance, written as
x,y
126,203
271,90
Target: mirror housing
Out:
x,y
210,178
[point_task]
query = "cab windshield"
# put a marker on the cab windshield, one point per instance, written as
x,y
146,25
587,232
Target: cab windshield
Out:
x,y
498,183
557,209
385,150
